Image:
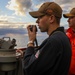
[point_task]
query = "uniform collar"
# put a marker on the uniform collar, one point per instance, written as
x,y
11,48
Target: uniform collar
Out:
x,y
58,29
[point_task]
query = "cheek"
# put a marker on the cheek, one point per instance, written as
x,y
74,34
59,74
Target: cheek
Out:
x,y
72,23
43,25
44,22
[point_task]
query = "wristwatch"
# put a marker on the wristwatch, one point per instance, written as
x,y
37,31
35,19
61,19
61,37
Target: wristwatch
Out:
x,y
30,42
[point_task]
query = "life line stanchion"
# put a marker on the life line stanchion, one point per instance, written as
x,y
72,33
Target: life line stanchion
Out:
x,y
17,67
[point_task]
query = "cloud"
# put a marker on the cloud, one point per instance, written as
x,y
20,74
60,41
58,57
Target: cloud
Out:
x,y
66,5
5,31
6,18
11,22
18,31
64,1
19,6
22,6
7,24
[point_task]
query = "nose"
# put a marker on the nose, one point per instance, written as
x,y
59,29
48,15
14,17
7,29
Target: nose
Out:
x,y
68,20
37,21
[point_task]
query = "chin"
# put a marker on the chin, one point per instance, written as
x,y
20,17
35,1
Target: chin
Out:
x,y
42,31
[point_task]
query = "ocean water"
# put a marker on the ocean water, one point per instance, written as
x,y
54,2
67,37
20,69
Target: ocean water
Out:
x,y
22,39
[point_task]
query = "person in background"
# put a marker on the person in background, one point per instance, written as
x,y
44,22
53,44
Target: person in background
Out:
x,y
53,56
71,34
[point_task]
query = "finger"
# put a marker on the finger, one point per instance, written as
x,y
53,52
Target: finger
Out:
x,y
34,29
28,28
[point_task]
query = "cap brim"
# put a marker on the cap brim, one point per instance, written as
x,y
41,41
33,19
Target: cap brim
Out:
x,y
68,15
36,14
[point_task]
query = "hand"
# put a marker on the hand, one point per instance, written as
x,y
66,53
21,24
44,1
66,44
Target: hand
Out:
x,y
19,53
32,34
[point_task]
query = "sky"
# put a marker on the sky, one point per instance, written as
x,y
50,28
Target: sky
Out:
x,y
15,13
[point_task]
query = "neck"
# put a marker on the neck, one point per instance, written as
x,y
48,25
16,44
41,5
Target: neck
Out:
x,y
52,28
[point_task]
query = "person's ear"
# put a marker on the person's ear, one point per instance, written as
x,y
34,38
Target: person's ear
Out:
x,y
51,19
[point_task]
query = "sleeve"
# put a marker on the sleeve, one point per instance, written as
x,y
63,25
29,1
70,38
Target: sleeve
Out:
x,y
29,57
